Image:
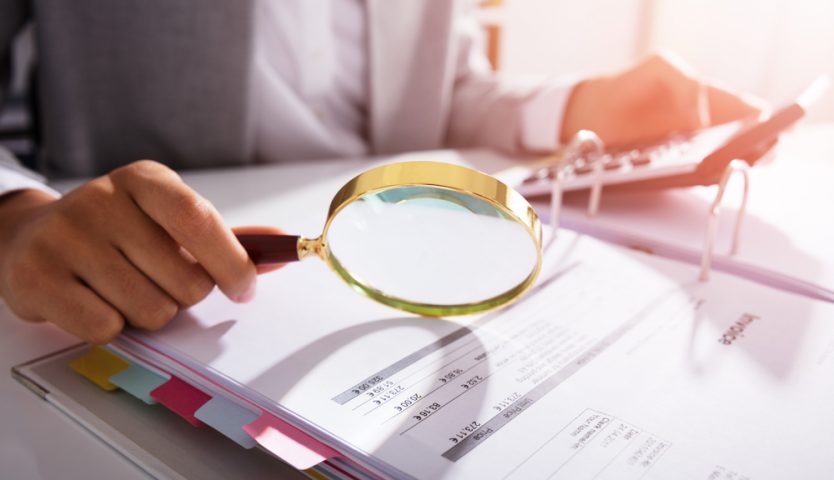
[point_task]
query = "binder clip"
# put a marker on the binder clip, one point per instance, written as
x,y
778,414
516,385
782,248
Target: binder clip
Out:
x,y
587,147
734,167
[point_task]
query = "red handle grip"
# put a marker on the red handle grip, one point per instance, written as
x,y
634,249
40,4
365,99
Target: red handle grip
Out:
x,y
269,248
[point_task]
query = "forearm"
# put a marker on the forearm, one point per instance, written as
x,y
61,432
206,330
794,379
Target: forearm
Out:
x,y
14,208
18,203
21,192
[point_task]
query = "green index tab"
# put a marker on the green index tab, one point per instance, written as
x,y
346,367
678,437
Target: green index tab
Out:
x,y
139,382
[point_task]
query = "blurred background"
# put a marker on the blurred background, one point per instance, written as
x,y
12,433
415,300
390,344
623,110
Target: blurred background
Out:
x,y
771,48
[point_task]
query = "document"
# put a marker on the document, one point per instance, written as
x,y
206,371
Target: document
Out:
x,y
616,364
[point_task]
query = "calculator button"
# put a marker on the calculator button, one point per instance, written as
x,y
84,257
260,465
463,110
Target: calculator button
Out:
x,y
657,155
642,158
615,162
539,175
583,168
534,178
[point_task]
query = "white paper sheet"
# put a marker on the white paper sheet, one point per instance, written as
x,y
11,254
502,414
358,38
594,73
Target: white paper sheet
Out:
x,y
619,365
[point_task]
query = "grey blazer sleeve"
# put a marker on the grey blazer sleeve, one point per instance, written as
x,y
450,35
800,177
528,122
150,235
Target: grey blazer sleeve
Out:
x,y
12,16
13,176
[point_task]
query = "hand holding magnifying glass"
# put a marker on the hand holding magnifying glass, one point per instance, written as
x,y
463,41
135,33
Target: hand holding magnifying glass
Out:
x,y
430,238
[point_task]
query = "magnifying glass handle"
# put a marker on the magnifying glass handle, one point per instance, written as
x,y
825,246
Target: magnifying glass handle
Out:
x,y
269,248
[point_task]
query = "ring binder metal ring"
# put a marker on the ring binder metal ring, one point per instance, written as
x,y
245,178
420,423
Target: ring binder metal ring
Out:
x,y
588,146
735,166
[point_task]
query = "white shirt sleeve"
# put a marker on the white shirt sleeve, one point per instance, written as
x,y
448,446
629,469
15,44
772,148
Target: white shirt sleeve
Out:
x,y
14,176
541,115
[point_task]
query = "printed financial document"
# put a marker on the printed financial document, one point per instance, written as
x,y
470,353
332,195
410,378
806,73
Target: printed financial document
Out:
x,y
616,365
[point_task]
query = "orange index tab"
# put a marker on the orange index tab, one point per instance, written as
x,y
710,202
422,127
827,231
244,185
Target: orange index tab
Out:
x,y
98,365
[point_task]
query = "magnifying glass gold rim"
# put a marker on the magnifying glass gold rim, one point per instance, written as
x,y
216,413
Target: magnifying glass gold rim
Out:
x,y
438,175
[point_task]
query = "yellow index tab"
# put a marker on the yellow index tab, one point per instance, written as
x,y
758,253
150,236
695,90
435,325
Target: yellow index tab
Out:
x,y
98,365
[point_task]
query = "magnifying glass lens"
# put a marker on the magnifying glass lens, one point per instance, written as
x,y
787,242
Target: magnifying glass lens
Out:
x,y
430,245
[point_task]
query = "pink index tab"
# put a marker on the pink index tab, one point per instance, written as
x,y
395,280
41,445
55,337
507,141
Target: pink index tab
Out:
x,y
287,442
181,398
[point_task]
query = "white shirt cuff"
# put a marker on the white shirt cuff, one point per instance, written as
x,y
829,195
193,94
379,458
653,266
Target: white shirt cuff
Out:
x,y
541,115
14,177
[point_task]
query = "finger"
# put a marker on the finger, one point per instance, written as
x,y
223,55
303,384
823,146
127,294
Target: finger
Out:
x,y
148,247
142,303
261,230
193,223
726,106
76,309
702,106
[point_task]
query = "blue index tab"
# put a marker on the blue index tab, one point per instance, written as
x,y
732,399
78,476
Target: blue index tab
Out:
x,y
228,418
139,382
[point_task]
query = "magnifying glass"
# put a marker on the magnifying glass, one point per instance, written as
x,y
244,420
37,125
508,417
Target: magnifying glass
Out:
x,y
430,238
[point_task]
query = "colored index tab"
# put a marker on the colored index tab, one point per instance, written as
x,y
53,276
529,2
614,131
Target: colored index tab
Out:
x,y
181,398
138,381
288,443
98,365
228,418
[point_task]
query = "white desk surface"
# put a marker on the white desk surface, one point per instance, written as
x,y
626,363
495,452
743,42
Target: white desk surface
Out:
x,y
36,441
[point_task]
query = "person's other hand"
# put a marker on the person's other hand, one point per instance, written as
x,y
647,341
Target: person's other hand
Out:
x,y
131,247
649,101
